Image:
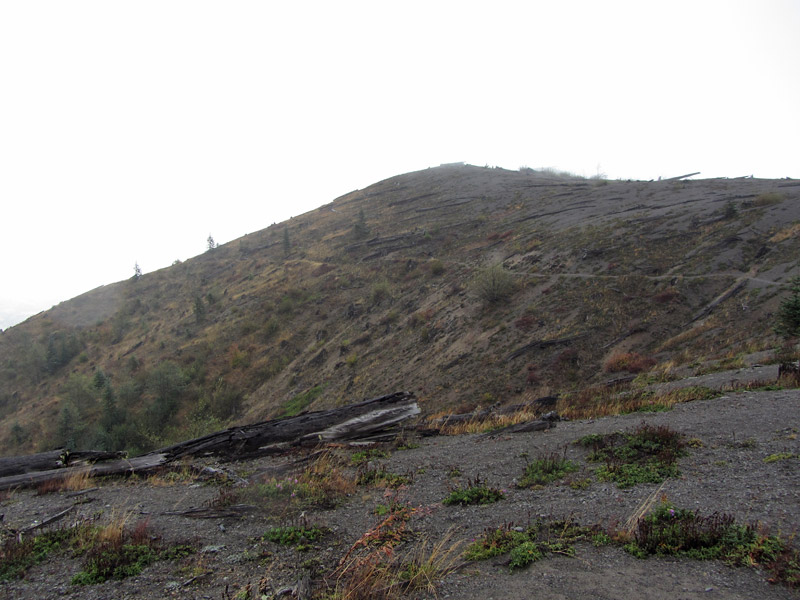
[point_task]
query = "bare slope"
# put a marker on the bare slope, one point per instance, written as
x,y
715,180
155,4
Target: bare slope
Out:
x,y
376,292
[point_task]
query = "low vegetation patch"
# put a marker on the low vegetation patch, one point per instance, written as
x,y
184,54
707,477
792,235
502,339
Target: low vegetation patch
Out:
x,y
378,565
778,456
301,401
525,545
604,400
546,469
364,456
648,454
323,484
381,477
110,552
18,554
475,492
670,531
299,536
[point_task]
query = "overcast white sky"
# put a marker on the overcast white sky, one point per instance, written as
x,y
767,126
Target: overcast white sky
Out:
x,y
130,131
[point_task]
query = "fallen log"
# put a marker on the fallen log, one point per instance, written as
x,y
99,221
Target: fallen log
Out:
x,y
731,291
361,421
43,461
54,459
544,423
541,344
355,421
139,464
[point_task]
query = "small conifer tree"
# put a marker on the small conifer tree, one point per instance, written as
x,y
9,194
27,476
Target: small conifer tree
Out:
x,y
360,229
788,318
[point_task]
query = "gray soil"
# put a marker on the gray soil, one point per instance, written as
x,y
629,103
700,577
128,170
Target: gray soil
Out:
x,y
727,473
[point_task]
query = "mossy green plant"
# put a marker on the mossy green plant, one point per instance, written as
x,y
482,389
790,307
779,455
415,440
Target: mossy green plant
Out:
x,y
475,492
299,536
364,456
779,456
381,477
648,454
526,545
546,469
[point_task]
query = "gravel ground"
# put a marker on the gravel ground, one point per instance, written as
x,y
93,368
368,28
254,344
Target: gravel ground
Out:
x,y
726,473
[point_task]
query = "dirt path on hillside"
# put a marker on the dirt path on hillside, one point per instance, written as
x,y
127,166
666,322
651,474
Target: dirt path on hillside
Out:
x,y
726,472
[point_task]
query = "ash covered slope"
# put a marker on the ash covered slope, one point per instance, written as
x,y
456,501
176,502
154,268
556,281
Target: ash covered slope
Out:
x,y
385,289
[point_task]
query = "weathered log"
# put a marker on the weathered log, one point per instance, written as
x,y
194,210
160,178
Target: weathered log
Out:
x,y
679,177
355,421
54,459
52,519
361,421
731,291
140,464
75,458
44,461
541,344
544,423
523,427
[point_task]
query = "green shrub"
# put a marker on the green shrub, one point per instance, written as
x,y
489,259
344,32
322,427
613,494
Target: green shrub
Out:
x,y
299,536
670,531
476,492
436,267
364,456
494,284
381,477
768,198
648,454
380,291
529,544
546,469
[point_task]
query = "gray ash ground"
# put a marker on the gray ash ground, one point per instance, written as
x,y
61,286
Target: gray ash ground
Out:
x,y
727,473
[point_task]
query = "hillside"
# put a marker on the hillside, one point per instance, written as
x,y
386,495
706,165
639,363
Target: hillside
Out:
x,y
468,285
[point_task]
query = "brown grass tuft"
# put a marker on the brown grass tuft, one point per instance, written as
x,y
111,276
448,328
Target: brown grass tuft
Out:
x,y
483,424
73,482
633,362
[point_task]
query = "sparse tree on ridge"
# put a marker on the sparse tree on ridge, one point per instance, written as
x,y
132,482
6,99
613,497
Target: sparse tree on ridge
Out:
x,y
788,318
360,229
211,243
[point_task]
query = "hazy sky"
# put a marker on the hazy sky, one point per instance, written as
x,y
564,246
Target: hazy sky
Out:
x,y
130,131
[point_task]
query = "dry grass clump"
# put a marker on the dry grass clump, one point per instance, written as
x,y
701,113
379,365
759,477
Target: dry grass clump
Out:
x,y
769,198
786,233
632,362
481,424
682,339
74,482
603,401
322,484
376,567
666,296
